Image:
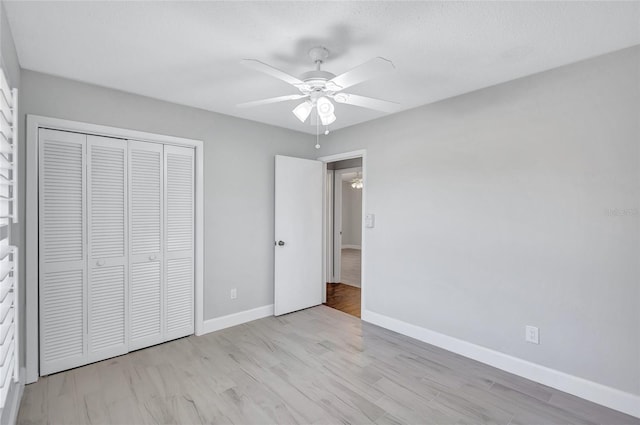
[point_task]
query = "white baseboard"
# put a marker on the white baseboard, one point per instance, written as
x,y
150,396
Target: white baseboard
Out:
x,y
351,247
580,387
234,319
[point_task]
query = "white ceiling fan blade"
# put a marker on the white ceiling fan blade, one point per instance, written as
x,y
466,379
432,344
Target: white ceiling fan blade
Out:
x,y
368,70
272,100
274,72
367,102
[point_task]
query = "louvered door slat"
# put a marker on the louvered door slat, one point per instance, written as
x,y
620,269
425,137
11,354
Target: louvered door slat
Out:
x,y
179,183
108,200
179,199
146,324
107,328
62,228
179,295
107,244
63,197
62,326
146,256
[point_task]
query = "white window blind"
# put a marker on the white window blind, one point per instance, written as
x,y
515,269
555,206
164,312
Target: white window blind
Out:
x,y
8,254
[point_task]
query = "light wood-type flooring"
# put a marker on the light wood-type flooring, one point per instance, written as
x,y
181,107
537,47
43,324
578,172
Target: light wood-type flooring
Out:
x,y
316,366
350,266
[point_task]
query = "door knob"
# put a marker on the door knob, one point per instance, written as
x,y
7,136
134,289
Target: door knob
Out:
x,y
152,257
280,243
100,262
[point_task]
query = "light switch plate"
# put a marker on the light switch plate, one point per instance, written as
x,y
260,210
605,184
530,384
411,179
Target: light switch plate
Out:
x,y
370,220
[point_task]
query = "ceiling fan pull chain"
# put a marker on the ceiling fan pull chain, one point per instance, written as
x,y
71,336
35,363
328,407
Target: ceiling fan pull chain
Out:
x,y
318,131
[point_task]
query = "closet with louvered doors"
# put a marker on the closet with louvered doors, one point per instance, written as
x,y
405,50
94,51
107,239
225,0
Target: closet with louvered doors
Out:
x,y
116,251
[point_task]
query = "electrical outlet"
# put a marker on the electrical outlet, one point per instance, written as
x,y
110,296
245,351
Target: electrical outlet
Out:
x,y
234,294
532,335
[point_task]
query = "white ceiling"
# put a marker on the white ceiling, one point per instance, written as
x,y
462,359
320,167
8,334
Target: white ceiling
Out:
x,y
189,52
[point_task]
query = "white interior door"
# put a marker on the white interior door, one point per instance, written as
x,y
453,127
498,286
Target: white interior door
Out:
x,y
146,218
179,241
107,215
62,232
298,234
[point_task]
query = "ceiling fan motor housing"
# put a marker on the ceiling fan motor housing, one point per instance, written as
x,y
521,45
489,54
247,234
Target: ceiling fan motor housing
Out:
x,y
317,79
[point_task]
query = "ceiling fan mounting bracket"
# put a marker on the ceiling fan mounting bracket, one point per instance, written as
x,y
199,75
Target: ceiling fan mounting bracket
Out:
x,y
318,54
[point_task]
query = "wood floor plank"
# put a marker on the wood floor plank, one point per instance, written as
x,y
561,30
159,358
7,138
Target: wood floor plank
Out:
x,y
464,407
585,409
316,366
344,297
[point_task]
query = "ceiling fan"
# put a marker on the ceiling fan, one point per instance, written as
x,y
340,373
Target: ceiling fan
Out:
x,y
319,87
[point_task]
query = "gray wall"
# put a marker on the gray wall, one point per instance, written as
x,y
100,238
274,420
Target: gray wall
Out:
x,y
238,173
510,206
351,215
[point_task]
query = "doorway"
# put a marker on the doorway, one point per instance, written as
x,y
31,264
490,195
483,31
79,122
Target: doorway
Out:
x,y
308,255
345,185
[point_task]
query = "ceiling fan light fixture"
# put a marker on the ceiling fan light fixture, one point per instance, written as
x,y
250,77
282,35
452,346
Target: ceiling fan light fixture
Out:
x,y
357,182
327,119
325,107
303,110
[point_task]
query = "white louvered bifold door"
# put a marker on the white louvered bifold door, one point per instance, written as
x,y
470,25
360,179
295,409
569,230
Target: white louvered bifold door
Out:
x,y
179,241
107,213
62,257
146,206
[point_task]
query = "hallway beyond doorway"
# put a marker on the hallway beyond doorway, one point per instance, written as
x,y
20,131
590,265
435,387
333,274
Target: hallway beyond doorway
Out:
x,y
345,296
350,267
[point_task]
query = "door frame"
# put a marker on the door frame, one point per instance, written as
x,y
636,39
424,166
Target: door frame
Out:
x,y
362,153
328,226
34,123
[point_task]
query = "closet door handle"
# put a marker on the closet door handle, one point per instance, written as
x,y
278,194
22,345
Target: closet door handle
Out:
x,y
100,263
153,257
